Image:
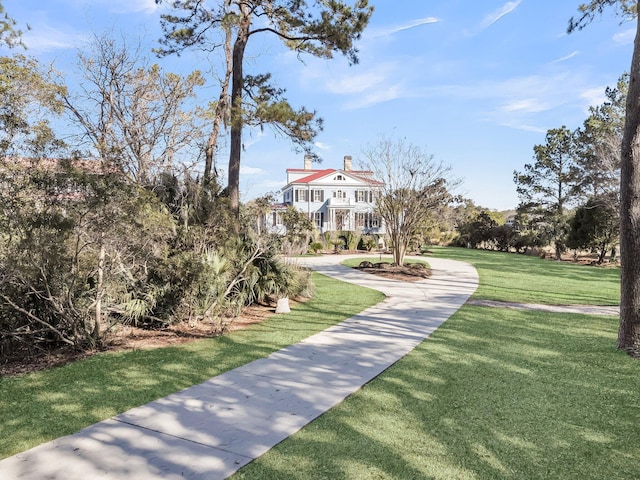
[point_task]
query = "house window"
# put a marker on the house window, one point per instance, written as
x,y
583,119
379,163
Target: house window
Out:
x,y
339,177
339,194
318,219
367,220
276,219
318,195
302,196
364,196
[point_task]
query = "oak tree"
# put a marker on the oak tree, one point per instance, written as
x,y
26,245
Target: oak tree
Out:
x,y
595,225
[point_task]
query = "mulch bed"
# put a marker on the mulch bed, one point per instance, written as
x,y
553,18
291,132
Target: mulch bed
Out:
x,y
412,272
128,338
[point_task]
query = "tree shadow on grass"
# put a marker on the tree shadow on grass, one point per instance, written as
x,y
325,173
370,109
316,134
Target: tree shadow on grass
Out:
x,y
493,394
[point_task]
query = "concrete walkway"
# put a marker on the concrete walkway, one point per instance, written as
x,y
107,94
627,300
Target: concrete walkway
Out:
x,y
210,430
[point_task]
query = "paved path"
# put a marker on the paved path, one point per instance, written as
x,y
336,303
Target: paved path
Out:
x,y
210,430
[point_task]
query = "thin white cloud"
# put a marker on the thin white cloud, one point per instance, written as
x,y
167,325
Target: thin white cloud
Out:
x,y
274,184
373,78
253,137
594,96
43,38
511,89
246,170
124,6
393,29
525,127
524,102
373,97
375,85
566,57
529,105
322,146
626,37
499,13
133,6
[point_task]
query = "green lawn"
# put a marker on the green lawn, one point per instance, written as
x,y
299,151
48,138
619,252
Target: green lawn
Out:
x,y
520,278
493,393
39,407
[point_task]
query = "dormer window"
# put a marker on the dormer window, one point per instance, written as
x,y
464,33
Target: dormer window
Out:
x,y
339,177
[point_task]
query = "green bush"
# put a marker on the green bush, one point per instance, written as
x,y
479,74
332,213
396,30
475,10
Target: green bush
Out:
x,y
316,247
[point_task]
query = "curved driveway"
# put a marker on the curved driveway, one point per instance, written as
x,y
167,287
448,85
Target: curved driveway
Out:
x,y
210,430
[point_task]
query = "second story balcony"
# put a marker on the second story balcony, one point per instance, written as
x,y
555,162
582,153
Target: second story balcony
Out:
x,y
341,202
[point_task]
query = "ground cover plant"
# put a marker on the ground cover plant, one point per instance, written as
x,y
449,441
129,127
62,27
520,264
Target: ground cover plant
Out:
x,y
493,393
41,406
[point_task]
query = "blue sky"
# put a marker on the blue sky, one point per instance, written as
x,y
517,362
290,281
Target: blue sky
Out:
x,y
475,83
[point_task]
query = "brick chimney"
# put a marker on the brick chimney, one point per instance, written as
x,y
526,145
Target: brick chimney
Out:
x,y
308,160
347,163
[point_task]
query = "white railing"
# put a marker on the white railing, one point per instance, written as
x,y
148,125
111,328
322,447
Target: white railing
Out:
x,y
341,202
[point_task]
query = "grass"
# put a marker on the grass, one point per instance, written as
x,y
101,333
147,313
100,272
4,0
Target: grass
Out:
x,y
519,278
39,407
493,393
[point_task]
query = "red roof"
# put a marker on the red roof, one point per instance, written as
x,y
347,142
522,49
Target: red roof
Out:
x,y
364,175
314,176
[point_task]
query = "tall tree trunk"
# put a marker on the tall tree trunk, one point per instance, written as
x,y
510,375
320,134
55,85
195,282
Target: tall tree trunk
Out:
x,y
95,335
629,332
237,85
399,247
603,252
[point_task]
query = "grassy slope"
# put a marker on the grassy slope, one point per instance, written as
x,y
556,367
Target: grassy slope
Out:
x,y
494,393
39,407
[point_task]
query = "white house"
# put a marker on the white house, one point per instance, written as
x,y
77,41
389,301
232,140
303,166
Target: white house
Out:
x,y
335,200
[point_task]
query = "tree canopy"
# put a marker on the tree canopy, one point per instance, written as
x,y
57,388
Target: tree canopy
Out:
x,y
10,34
598,144
28,101
588,11
135,116
318,28
415,185
546,186
98,230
